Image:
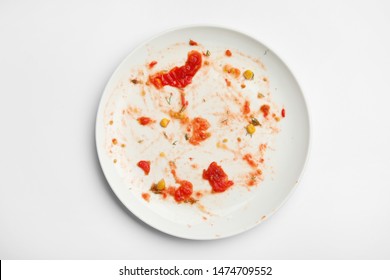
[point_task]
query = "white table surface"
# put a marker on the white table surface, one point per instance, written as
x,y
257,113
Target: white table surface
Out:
x,y
55,59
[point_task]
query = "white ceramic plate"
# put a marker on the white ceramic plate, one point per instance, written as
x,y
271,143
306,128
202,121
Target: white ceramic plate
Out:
x,y
214,215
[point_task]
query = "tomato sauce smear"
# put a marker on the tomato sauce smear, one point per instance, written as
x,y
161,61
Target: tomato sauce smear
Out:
x,y
179,77
217,177
146,196
246,109
145,166
249,159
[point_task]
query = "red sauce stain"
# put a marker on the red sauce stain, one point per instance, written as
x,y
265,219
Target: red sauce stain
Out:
x,y
253,178
145,166
246,109
172,166
283,113
193,43
146,196
217,178
144,120
228,53
179,77
184,191
249,159
151,64
251,182
171,191
228,83
235,72
199,130
263,148
183,100
265,110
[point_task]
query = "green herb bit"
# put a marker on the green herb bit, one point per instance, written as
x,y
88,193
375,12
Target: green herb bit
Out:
x,y
182,109
169,99
186,136
255,122
208,53
260,95
155,190
191,200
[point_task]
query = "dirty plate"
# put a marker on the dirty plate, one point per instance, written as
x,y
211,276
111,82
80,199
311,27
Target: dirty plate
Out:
x,y
238,112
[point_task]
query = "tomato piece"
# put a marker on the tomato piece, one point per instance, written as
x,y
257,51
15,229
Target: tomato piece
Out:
x,y
145,166
193,43
228,53
265,110
179,77
151,64
144,120
283,113
246,109
217,178
183,192
199,130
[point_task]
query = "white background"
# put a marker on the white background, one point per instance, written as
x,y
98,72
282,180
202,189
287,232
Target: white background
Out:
x,y
55,59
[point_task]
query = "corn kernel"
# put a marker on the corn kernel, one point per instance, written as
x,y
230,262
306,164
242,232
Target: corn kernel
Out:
x,y
161,185
164,122
248,75
177,115
250,129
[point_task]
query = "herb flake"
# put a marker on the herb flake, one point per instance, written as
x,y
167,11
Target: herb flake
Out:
x,y
255,122
169,99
